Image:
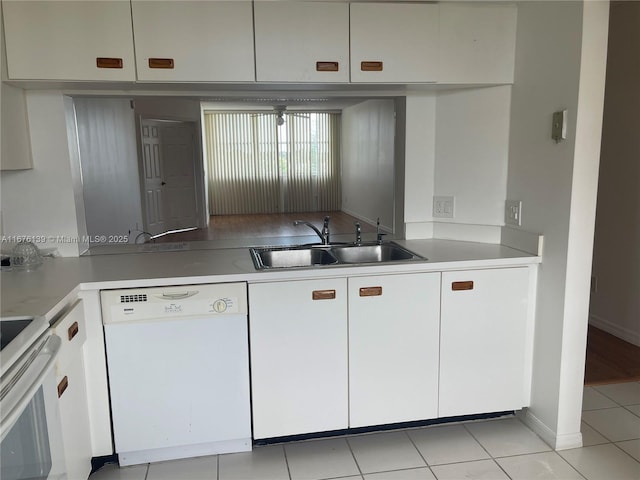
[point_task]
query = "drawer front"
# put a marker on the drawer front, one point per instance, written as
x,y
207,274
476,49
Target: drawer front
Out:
x,y
71,330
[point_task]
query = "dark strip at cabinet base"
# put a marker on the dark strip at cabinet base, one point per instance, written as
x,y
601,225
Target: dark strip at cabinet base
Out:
x,y
381,428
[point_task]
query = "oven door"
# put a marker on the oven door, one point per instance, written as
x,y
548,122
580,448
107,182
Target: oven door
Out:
x,y
30,432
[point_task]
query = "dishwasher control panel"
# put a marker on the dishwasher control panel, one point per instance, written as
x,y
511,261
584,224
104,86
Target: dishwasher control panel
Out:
x,y
155,303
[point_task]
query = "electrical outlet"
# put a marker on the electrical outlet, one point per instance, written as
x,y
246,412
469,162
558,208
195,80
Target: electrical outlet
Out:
x,y
444,206
513,212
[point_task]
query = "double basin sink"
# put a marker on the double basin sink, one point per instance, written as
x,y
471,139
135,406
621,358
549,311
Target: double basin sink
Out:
x,y
340,254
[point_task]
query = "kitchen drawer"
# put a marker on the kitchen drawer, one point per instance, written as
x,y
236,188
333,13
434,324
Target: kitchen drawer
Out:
x,y
71,330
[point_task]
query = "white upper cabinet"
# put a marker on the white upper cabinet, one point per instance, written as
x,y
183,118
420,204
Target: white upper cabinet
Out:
x,y
394,43
477,43
15,147
302,41
193,41
68,40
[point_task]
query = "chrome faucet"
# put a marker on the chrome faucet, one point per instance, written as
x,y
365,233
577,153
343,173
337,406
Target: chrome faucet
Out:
x,y
324,234
358,241
379,234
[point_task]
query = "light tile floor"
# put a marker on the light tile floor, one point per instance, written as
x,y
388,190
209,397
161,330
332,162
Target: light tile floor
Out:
x,y
492,449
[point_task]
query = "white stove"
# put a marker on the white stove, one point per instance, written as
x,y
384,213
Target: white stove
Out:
x,y
17,334
30,431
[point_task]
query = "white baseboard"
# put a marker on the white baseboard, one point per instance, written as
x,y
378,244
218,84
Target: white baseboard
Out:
x,y
555,441
615,330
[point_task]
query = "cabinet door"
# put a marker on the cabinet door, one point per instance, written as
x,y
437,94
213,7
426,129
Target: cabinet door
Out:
x,y
72,392
394,42
74,416
393,348
477,43
194,41
483,341
69,40
302,41
298,333
14,135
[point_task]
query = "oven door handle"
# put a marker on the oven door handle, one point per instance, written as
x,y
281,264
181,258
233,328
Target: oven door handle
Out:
x,y
26,386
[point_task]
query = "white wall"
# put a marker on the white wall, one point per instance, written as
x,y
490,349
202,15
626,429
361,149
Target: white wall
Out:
x,y
471,156
109,160
615,306
419,164
457,144
41,201
368,130
560,69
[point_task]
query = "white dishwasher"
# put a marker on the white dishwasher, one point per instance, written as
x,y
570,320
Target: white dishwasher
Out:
x,y
178,366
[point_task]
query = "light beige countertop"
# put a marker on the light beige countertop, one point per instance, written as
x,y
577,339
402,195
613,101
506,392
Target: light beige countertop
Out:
x,y
57,281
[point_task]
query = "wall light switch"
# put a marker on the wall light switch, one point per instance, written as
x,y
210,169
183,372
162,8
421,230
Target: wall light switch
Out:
x,y
444,206
559,126
513,212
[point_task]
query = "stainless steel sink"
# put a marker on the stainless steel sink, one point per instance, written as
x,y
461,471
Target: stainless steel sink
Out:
x,y
291,257
305,256
373,254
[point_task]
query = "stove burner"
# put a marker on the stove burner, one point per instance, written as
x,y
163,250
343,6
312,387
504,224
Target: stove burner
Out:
x,y
9,329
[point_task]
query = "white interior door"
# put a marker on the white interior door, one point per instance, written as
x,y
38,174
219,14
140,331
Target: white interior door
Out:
x,y
153,183
169,164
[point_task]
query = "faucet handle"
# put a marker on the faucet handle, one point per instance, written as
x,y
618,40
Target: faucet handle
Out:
x,y
326,221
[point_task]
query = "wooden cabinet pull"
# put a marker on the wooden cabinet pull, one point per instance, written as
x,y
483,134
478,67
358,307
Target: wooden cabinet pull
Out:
x,y
327,66
62,386
371,66
468,285
108,62
323,294
73,330
370,291
161,63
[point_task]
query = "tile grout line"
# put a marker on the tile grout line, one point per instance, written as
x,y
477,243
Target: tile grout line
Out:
x,y
353,455
624,451
595,387
286,461
420,453
476,440
218,466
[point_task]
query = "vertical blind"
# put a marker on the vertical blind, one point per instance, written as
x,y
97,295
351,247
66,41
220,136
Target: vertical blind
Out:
x,y
255,166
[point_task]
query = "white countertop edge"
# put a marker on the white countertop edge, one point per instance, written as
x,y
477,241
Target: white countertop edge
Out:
x,y
49,290
287,274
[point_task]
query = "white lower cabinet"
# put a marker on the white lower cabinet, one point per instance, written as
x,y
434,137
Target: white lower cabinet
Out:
x,y
394,323
373,350
298,338
72,393
483,338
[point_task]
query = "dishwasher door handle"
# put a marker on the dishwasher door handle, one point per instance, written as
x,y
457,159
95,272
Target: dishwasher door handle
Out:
x,y
177,295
